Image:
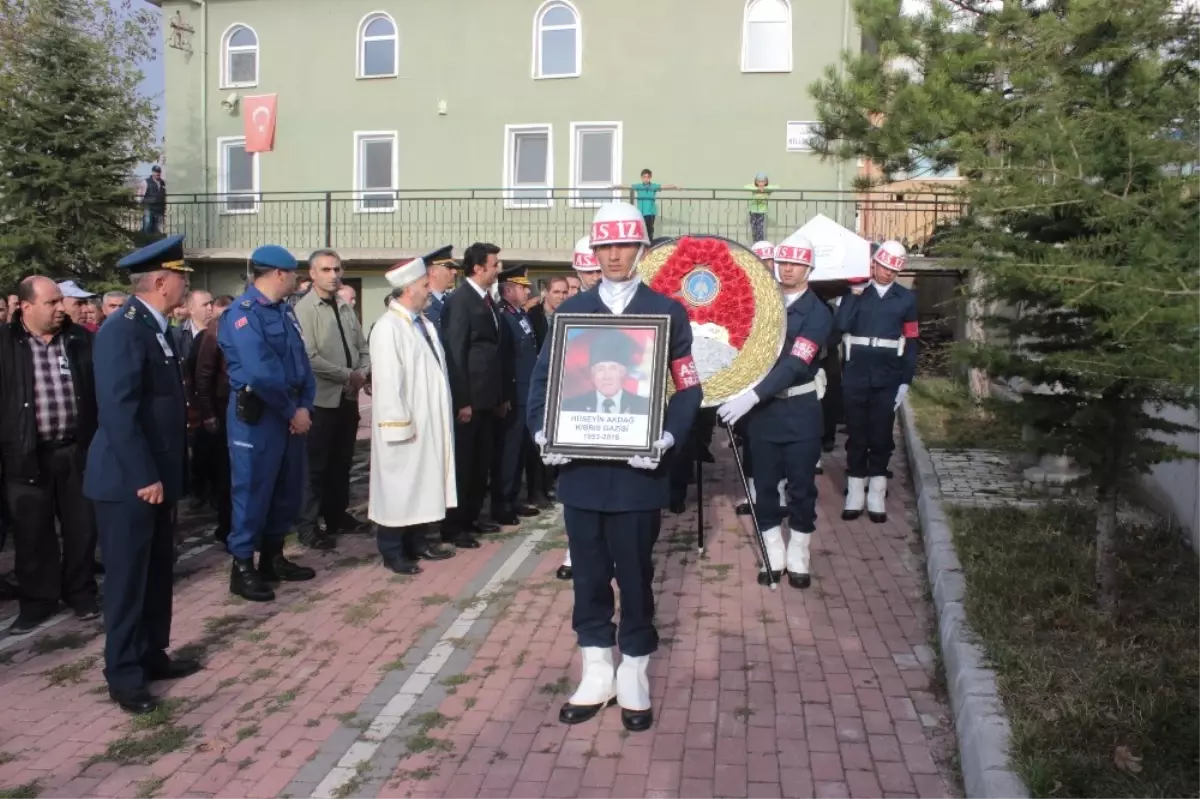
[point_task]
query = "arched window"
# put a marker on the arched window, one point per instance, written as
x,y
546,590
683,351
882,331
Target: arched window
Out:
x,y
557,48
767,36
378,47
239,64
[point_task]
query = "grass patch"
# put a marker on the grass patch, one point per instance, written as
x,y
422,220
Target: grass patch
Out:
x,y
949,419
29,790
455,679
54,643
144,749
259,674
256,636
469,702
436,599
7,757
248,731
1099,705
70,673
560,686
365,609
424,742
148,789
160,717
394,665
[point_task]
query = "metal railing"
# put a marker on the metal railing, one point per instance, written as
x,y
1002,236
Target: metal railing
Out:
x,y
532,220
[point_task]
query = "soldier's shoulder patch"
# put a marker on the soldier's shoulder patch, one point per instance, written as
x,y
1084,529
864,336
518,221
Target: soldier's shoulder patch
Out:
x,y
240,323
246,303
130,312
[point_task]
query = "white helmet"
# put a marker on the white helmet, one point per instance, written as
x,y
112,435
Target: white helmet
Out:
x,y
618,223
585,259
891,255
764,250
795,249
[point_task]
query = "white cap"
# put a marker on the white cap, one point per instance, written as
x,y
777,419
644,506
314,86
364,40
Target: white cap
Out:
x,y
891,255
618,223
70,289
763,249
400,276
585,259
795,249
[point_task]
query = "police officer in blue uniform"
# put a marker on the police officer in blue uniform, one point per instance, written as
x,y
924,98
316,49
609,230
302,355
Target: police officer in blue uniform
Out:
x,y
879,342
512,435
271,391
136,472
613,509
783,420
439,285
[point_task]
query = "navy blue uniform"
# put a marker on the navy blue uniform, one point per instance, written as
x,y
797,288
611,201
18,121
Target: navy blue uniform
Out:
x,y
512,435
141,440
880,355
612,510
433,311
264,351
784,429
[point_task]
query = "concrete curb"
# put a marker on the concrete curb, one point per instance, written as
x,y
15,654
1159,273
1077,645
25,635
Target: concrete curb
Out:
x,y
979,718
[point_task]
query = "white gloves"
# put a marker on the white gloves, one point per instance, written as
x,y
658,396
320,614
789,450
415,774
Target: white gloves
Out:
x,y
547,458
821,381
737,407
900,392
662,445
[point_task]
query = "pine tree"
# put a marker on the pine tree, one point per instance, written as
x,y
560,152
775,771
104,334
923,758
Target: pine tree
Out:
x,y
73,128
1075,124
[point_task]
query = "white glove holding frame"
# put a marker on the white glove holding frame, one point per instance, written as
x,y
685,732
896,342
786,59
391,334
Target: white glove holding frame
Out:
x,y
547,458
661,446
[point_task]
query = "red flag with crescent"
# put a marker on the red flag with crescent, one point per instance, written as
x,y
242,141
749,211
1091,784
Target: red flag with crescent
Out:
x,y
258,114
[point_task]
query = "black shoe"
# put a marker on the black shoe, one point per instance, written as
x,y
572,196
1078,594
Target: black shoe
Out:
x,y
526,511
799,580
486,527
137,701
742,509
315,538
577,714
172,669
401,565
273,567
850,515
878,518
98,568
678,507
552,496
431,552
462,540
349,524
221,536
827,445
637,720
564,573
86,611
545,503
8,587
762,577
25,624
245,581
706,456
819,470
503,520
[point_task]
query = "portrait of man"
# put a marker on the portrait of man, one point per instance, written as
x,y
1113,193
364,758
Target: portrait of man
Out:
x,y
610,360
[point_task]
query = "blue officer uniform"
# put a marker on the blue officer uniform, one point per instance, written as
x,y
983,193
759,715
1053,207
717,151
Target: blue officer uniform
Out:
x,y
513,441
443,256
270,378
141,441
613,511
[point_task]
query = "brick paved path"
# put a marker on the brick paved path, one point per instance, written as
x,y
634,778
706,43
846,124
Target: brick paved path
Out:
x,y
362,683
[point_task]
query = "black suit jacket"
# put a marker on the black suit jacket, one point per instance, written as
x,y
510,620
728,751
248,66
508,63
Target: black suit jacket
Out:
x,y
541,325
586,403
475,357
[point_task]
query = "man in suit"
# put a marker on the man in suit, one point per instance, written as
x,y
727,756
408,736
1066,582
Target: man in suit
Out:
x,y
609,358
184,336
512,436
542,314
136,472
473,335
441,269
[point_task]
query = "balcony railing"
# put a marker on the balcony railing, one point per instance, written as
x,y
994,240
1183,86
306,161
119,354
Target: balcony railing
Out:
x,y
544,225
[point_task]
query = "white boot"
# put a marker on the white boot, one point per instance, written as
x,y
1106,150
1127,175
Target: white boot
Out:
x,y
877,499
820,469
633,692
753,493
855,498
797,559
596,688
773,538
565,572
783,493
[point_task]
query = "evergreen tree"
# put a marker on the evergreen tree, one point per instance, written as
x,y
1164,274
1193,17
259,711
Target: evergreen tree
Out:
x,y
73,129
1075,124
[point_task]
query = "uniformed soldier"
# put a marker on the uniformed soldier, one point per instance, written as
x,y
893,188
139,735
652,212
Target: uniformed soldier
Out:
x,y
585,264
136,473
512,435
765,251
271,388
613,510
440,266
783,419
879,325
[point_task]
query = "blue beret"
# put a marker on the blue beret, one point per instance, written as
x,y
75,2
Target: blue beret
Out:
x,y
445,256
272,256
163,254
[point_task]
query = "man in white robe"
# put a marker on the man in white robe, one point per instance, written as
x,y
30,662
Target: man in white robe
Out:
x,y
412,445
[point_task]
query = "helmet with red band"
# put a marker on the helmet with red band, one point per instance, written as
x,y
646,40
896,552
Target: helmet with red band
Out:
x,y
584,259
764,250
891,255
618,223
795,249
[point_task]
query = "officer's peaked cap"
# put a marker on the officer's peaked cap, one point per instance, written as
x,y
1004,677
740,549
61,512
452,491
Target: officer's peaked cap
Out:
x,y
443,257
515,274
272,256
163,254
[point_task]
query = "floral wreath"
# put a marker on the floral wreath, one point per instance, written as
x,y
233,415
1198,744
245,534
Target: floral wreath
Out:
x,y
733,308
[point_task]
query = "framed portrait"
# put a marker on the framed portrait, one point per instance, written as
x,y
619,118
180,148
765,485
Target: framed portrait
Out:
x,y
606,391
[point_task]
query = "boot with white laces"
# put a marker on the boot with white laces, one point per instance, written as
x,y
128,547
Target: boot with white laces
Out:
x,y
597,688
773,538
797,560
633,692
877,500
855,498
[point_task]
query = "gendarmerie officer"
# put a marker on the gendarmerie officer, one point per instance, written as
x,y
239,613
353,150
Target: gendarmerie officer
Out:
x,y
512,435
440,266
783,419
271,392
136,472
879,342
613,510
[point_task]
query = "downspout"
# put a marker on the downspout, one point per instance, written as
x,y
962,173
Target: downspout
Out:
x,y
841,166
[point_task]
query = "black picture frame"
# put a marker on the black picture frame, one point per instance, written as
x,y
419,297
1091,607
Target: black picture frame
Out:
x,y
572,431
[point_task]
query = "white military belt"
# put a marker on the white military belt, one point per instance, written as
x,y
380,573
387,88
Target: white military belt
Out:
x,y
849,342
796,391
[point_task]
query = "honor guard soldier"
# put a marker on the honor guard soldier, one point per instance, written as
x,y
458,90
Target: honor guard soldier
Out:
x,y
783,420
135,474
879,326
271,388
765,251
613,510
512,434
586,265
440,266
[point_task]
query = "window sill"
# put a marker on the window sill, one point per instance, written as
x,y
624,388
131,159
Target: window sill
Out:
x,y
746,71
558,77
378,77
224,86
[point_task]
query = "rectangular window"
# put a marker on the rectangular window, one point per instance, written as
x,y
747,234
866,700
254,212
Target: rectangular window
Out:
x,y
595,162
528,166
237,180
376,171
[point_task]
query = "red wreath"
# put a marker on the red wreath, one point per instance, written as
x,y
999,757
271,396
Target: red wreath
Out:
x,y
733,308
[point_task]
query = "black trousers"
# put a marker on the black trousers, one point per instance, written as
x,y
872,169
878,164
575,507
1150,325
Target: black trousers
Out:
x,y
795,461
138,541
473,443
47,572
604,546
330,456
221,477
831,403
203,471
870,416
649,219
508,460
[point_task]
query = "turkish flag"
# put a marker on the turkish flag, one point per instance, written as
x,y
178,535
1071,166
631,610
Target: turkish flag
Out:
x,y
258,115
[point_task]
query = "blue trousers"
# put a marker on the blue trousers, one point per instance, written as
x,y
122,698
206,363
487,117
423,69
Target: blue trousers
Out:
x,y
268,467
795,461
604,546
870,416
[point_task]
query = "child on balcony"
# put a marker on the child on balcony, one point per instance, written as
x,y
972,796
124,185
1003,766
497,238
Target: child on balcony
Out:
x,y
761,189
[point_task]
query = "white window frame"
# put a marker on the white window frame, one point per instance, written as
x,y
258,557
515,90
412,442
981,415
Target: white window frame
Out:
x,y
746,37
510,164
227,52
361,45
618,132
361,136
538,27
223,190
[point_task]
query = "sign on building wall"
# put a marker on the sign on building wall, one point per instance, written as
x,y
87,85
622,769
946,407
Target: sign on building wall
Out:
x,y
798,134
